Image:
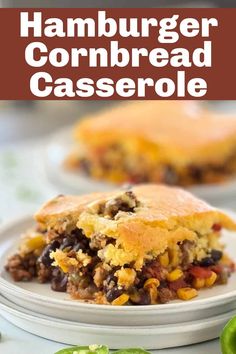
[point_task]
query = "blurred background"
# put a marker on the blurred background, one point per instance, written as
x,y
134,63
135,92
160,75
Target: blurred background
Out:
x,y
21,120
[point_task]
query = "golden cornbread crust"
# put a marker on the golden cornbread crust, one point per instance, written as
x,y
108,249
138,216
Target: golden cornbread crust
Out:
x,y
165,216
161,205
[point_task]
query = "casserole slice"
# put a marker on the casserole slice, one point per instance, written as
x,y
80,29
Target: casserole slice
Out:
x,y
146,245
171,142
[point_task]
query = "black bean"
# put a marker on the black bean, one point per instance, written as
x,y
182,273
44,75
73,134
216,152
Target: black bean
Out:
x,y
80,246
45,255
59,281
66,242
75,241
111,277
77,233
216,255
196,173
126,207
207,262
94,261
113,293
163,284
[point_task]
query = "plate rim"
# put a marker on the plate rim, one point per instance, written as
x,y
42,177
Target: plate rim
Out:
x,y
175,327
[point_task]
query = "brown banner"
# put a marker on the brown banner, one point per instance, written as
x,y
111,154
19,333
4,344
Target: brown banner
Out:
x,y
206,70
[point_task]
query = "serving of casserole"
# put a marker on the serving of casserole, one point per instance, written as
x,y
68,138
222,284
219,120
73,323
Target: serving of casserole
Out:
x,y
145,245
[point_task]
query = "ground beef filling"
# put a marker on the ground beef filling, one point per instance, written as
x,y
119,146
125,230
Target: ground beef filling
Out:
x,y
28,266
22,268
165,173
94,278
139,294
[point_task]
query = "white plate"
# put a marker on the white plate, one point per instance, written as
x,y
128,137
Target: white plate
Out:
x,y
59,147
61,144
151,337
40,298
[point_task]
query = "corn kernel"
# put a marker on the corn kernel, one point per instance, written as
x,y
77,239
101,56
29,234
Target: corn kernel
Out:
x,y
32,243
153,294
151,282
174,275
211,280
164,259
174,256
199,283
186,293
121,300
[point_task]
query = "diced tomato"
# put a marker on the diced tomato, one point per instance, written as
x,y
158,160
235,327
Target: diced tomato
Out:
x,y
200,272
216,227
135,179
132,180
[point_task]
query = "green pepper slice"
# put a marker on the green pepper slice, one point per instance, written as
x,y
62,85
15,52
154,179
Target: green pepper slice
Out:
x,y
91,349
228,338
131,351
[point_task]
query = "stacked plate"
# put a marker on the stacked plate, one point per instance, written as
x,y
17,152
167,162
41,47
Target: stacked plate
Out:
x,y
36,308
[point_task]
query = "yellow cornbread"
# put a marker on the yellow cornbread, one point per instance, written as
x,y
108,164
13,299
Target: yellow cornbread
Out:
x,y
164,217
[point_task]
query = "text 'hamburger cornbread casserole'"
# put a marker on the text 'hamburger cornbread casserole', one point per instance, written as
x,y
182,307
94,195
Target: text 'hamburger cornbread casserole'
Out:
x,y
146,245
171,142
